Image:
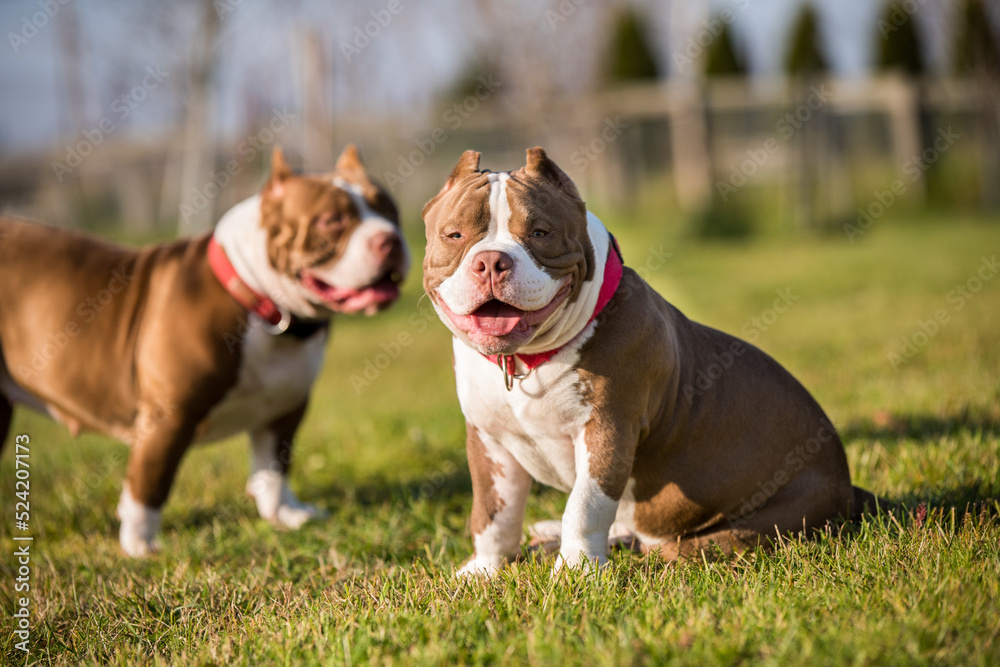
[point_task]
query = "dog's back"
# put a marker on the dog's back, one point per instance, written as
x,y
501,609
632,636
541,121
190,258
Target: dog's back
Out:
x,y
72,303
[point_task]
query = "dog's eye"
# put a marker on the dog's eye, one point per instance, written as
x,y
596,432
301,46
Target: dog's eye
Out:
x,y
539,233
454,235
328,221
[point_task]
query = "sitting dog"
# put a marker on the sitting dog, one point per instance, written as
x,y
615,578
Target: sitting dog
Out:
x,y
199,339
571,370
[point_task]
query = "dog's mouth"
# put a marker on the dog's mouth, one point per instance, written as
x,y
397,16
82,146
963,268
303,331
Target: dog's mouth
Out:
x,y
496,319
370,299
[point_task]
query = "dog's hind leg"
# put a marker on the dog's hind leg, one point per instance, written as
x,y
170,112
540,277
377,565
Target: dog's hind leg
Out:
x,y
865,502
268,483
163,434
6,407
711,544
6,414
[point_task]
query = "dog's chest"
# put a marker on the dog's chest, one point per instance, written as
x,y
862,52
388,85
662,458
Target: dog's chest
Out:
x,y
276,373
537,422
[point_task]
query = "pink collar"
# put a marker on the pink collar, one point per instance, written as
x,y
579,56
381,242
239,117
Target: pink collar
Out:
x,y
613,270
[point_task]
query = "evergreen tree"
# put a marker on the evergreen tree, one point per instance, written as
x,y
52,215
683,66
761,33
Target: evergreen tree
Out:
x,y
805,56
899,44
722,59
976,50
630,56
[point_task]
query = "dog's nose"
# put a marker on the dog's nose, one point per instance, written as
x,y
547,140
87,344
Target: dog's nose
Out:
x,y
491,265
383,245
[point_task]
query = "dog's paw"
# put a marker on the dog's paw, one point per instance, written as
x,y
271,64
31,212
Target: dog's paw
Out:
x,y
591,564
137,545
140,525
479,566
277,503
546,537
295,515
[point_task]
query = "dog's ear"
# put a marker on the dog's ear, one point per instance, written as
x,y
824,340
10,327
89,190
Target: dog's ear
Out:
x,y
467,164
540,165
279,174
350,159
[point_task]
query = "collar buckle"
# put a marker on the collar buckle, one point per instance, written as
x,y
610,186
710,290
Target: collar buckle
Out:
x,y
507,364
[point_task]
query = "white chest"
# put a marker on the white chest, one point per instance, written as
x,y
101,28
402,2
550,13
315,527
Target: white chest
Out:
x,y
537,422
275,375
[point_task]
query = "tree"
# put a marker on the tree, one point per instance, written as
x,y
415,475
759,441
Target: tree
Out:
x,y
805,56
976,50
977,55
722,58
804,62
630,56
899,44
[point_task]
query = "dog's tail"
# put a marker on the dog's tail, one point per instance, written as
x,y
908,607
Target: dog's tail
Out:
x,y
865,502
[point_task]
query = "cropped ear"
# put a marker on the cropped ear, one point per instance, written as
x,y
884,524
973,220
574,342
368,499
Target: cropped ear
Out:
x,y
540,165
279,174
467,164
350,159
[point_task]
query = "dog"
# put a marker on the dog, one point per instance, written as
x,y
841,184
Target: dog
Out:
x,y
200,339
572,371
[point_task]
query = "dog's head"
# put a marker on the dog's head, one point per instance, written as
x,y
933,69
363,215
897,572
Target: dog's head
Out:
x,y
508,253
337,235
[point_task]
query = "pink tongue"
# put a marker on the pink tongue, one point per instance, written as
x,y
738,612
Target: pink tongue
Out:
x,y
496,318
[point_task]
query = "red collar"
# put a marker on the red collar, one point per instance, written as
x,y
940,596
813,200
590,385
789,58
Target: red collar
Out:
x,y
613,270
247,297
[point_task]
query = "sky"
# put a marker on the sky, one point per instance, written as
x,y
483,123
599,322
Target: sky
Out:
x,y
415,55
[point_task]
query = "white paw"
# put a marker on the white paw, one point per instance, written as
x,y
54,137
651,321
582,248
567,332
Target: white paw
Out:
x,y
277,503
577,559
137,544
550,529
140,524
293,516
479,566
620,532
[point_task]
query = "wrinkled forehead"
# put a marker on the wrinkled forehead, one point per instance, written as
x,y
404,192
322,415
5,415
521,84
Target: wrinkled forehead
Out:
x,y
314,193
365,191
532,197
476,194
468,198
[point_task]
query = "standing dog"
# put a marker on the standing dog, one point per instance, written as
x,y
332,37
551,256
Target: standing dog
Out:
x,y
200,339
571,370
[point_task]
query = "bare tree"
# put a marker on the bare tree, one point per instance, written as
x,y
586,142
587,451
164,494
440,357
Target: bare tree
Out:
x,y
198,145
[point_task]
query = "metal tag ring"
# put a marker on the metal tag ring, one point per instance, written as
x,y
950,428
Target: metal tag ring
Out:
x,y
282,325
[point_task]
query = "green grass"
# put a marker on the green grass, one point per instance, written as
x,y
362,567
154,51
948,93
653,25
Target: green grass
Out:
x,y
372,584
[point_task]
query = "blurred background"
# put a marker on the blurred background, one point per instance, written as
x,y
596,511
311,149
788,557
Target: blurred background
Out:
x,y
729,118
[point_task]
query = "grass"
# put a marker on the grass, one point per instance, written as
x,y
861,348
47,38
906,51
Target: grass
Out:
x,y
372,584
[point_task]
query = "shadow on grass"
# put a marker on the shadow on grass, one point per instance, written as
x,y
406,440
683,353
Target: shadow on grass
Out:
x,y
449,481
951,510
920,427
373,493
965,498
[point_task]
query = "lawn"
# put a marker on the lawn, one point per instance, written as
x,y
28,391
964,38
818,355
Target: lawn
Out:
x,y
897,335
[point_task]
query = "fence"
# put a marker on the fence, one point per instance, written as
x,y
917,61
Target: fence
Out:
x,y
816,151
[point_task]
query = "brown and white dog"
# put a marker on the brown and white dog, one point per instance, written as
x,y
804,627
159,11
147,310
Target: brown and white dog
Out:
x,y
571,370
157,346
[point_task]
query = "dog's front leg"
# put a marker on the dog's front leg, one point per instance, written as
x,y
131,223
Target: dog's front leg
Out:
x,y
500,489
268,483
601,475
